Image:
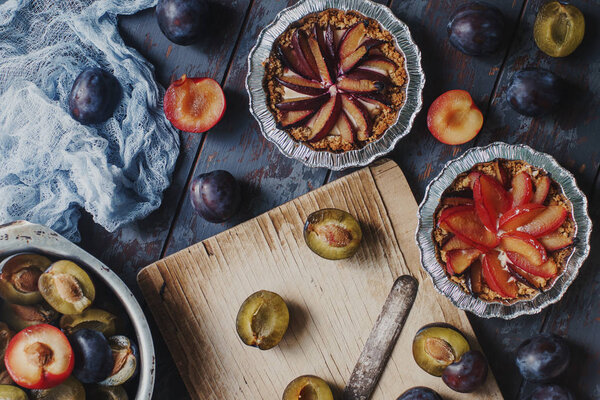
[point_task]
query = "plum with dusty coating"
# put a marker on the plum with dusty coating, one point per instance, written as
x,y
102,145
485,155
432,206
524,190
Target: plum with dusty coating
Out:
x,y
307,387
182,21
477,29
332,234
436,346
543,357
535,91
262,320
420,393
215,195
94,96
468,373
551,392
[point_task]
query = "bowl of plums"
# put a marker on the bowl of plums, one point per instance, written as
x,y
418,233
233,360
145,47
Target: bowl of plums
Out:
x,y
69,327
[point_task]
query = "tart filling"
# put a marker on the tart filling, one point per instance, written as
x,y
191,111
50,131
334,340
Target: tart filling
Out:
x,y
504,231
335,80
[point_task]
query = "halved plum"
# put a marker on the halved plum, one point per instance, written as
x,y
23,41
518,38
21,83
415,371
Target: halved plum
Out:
x,y
519,216
19,277
67,287
438,345
125,361
10,392
555,241
522,189
194,104
19,317
307,387
546,222
262,320
39,357
546,270
457,261
70,389
91,318
453,118
464,223
525,245
332,234
491,201
497,278
542,188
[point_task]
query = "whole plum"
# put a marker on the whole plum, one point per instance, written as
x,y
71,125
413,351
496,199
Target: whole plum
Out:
x,y
93,356
94,96
534,92
420,393
551,392
476,29
543,357
468,373
215,195
182,21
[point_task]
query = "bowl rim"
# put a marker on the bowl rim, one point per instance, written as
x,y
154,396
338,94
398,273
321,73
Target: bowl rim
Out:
x,y
353,158
431,200
21,236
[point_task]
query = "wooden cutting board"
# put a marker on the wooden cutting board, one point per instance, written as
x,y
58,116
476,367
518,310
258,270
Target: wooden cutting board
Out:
x,y
195,295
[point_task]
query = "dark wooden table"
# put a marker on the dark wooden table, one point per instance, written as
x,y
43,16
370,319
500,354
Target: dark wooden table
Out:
x,y
270,179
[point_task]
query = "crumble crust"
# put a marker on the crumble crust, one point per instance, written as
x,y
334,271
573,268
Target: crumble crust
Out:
x,y
382,118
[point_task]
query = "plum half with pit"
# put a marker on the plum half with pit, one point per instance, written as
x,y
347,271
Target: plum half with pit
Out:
x,y
125,360
477,29
559,28
12,393
332,234
215,195
67,287
94,96
543,357
466,374
91,318
436,346
39,357
534,92
93,356
307,387
19,277
19,317
420,393
70,389
182,21
262,320
551,392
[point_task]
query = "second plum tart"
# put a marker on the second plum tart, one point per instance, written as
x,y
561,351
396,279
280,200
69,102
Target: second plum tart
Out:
x,y
504,231
335,80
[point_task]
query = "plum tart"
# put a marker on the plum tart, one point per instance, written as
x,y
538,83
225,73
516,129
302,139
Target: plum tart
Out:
x,y
335,80
504,231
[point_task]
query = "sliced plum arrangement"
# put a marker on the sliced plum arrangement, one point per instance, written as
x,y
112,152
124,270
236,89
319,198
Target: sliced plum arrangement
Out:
x,y
307,387
194,104
332,234
335,85
442,350
262,320
559,28
510,236
477,29
94,96
182,21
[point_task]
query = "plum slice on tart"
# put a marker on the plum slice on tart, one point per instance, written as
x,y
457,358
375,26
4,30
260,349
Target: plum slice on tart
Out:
x,y
326,58
504,230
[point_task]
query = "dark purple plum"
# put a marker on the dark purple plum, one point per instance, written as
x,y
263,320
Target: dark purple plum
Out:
x,y
93,356
94,96
182,21
535,91
543,357
468,373
420,393
476,29
215,195
551,392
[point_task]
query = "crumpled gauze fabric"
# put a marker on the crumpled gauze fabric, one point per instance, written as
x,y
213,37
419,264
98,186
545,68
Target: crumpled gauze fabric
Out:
x,y
51,166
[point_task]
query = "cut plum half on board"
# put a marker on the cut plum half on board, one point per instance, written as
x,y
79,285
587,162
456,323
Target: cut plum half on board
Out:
x,y
556,241
302,104
491,200
497,277
324,120
464,223
545,270
456,243
519,216
547,221
542,187
194,104
525,245
39,357
300,84
457,261
358,116
522,189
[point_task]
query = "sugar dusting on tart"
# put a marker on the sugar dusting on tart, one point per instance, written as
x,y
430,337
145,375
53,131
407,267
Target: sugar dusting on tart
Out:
x,y
379,103
462,188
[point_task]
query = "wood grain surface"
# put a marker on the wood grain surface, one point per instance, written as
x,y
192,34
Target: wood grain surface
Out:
x,y
196,293
269,179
